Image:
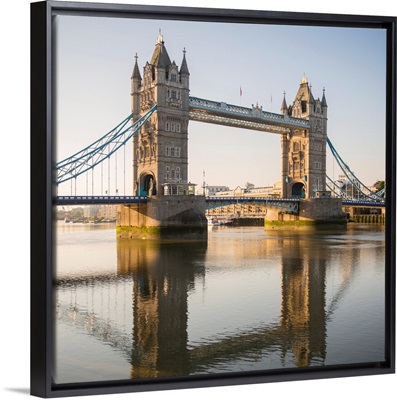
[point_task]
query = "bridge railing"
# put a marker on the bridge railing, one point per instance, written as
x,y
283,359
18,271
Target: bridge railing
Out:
x,y
69,200
289,205
364,203
258,199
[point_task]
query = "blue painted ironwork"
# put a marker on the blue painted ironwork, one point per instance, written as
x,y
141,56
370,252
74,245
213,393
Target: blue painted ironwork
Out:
x,y
364,203
73,200
331,185
250,118
363,190
289,205
101,149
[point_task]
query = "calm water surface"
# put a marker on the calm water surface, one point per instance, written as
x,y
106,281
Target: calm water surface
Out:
x,y
246,299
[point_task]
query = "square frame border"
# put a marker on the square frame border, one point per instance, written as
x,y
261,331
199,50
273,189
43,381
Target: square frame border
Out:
x,y
42,48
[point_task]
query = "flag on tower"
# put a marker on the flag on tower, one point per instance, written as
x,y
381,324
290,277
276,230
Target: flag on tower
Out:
x,y
241,92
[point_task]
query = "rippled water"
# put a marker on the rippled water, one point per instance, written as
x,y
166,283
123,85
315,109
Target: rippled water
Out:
x,y
247,299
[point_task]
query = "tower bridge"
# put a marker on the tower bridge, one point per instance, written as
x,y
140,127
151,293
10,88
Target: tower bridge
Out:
x,y
161,110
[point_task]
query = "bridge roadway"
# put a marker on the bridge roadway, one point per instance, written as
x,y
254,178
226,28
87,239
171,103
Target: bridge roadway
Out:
x,y
212,202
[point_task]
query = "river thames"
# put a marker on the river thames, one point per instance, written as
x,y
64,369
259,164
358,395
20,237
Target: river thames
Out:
x,y
245,300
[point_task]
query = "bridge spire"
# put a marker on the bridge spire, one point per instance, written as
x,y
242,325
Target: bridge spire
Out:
x,y
311,98
184,69
135,73
284,107
160,38
160,57
323,100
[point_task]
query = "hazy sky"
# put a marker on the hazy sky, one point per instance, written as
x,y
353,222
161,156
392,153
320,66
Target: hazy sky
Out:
x,y
95,58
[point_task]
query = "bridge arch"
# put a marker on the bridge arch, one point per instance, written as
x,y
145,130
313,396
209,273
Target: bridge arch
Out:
x,y
298,190
147,185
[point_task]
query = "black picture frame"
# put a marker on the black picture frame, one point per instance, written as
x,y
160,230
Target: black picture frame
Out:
x,y
42,141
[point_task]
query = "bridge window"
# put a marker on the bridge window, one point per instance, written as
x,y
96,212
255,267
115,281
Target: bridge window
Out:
x,y
296,146
173,94
172,151
179,189
172,127
173,78
316,146
317,165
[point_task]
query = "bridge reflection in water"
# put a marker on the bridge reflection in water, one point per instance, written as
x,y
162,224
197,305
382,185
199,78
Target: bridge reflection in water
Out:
x,y
159,281
163,274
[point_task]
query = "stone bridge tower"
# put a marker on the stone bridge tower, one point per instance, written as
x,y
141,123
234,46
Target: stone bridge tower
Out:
x,y
304,150
160,148
160,166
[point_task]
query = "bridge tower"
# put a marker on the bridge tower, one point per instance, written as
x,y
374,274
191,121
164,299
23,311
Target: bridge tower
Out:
x,y
160,166
160,149
303,150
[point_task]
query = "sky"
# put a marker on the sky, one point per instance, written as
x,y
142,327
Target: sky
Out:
x,y
95,58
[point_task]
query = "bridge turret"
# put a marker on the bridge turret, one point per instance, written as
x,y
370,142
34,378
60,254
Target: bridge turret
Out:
x,y
160,61
284,107
312,102
324,105
184,71
303,100
184,80
136,82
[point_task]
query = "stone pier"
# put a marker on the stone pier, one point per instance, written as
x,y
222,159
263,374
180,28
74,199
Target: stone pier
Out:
x,y
319,212
163,217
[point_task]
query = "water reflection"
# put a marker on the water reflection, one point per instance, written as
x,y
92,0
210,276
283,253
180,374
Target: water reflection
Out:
x,y
244,300
303,316
163,273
